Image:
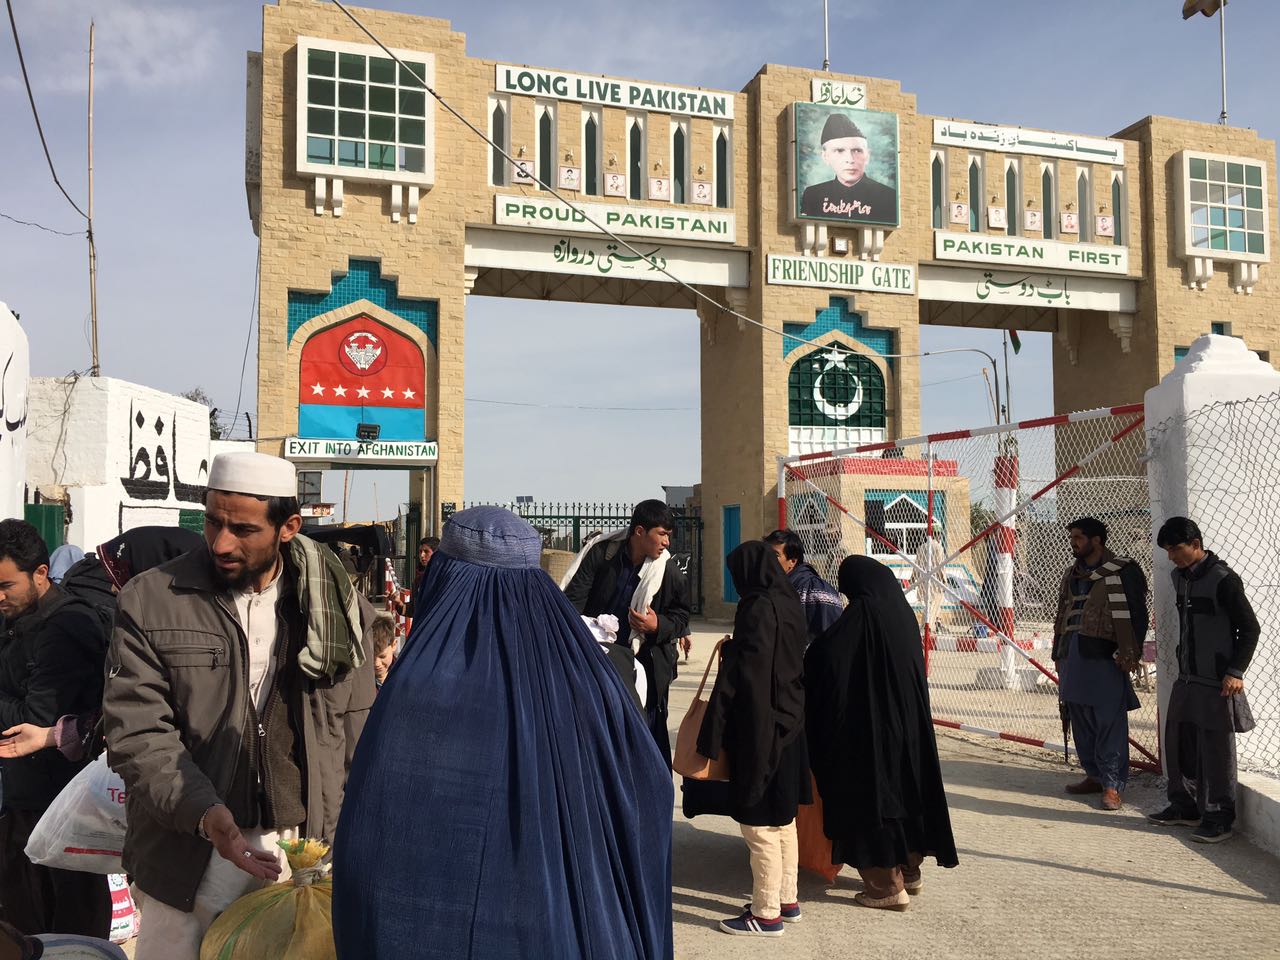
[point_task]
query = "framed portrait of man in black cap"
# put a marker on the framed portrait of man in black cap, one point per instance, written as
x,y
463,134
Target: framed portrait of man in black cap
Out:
x,y
846,165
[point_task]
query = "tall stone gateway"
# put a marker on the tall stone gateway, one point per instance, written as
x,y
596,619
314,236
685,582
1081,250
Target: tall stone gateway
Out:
x,y
823,205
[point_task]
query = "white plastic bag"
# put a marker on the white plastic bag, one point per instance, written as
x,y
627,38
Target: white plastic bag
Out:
x,y
83,829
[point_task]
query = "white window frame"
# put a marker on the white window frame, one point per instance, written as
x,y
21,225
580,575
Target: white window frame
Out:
x,y
978,208
551,178
1119,211
593,113
1049,218
1183,225
727,173
503,101
1013,203
683,124
642,119
304,167
1088,212
944,201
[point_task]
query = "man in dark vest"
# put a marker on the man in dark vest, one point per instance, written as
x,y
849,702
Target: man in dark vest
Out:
x,y
1218,633
1097,641
851,194
627,575
52,649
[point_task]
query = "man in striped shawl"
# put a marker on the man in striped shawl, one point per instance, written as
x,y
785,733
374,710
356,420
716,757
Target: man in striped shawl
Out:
x,y
1097,641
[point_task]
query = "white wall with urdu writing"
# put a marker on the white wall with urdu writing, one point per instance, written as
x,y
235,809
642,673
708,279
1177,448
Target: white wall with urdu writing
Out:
x,y
125,455
14,374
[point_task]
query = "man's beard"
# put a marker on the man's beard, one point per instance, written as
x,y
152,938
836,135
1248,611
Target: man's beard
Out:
x,y
248,574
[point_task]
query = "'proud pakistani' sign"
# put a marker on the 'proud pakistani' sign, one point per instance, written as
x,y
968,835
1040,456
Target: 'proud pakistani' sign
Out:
x,y
840,274
1025,252
614,93
406,452
622,219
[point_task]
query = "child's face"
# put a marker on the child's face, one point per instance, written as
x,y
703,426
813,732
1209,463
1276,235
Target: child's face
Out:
x,y
382,662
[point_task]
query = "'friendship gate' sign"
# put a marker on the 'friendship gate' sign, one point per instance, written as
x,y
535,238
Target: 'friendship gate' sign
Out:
x,y
614,93
841,274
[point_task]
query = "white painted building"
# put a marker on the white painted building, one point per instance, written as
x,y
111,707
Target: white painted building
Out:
x,y
117,454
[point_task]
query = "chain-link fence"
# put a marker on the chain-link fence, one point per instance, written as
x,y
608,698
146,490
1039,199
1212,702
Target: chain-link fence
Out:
x,y
974,522
1218,465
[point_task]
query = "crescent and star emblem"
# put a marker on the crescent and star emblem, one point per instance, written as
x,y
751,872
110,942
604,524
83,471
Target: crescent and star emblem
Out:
x,y
835,359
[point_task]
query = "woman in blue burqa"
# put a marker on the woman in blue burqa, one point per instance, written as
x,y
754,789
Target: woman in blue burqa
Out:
x,y
506,799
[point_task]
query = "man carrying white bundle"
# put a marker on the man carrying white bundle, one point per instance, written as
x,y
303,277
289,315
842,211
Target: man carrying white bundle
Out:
x,y
627,575
236,688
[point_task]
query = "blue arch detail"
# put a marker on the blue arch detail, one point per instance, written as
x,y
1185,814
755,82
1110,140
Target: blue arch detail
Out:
x,y
837,316
363,281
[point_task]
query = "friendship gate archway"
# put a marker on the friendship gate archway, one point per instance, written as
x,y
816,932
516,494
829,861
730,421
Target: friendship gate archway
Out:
x,y
371,201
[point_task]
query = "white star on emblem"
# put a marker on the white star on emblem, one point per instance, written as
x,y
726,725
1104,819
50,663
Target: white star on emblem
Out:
x,y
835,357
339,391
317,390
408,394
388,393
362,392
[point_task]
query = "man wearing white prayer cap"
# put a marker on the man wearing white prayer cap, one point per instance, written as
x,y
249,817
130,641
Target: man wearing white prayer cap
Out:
x,y
237,686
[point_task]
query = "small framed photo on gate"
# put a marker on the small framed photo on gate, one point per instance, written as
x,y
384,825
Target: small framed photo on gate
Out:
x,y
1104,226
615,184
1033,220
702,192
570,178
522,172
659,188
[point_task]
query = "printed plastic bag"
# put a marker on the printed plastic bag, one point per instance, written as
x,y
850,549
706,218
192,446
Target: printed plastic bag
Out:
x,y
124,913
83,829
291,919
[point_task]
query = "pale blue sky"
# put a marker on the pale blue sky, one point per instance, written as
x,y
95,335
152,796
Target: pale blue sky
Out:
x,y
176,251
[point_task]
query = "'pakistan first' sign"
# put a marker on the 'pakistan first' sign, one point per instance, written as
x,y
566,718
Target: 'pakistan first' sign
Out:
x,y
841,274
407,452
614,93
626,220
1025,252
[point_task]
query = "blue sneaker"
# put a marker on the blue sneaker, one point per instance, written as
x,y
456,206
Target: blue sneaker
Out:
x,y
749,925
790,911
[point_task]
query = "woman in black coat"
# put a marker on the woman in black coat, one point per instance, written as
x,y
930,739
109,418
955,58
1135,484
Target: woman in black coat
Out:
x,y
756,714
871,738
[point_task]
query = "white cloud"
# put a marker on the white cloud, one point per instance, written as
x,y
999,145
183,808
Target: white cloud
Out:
x,y
139,44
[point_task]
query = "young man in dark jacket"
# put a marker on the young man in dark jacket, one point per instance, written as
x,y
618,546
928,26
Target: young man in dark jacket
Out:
x,y
821,601
628,576
52,650
1218,633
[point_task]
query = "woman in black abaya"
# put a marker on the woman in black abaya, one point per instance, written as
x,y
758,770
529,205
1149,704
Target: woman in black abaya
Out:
x,y
871,740
756,714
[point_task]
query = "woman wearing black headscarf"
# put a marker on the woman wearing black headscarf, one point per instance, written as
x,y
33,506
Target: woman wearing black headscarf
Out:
x,y
871,737
756,714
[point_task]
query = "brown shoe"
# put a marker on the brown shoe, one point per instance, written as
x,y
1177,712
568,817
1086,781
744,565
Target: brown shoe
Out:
x,y
899,901
1111,799
1087,785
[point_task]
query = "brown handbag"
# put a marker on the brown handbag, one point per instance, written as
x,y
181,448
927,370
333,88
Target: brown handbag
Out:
x,y
688,762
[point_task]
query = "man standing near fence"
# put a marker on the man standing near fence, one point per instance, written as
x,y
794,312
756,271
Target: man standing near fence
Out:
x,y
627,574
1097,641
821,602
1218,633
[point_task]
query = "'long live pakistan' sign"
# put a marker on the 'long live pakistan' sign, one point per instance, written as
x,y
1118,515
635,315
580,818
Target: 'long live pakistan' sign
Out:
x,y
614,93
624,219
840,274
408,452
1025,252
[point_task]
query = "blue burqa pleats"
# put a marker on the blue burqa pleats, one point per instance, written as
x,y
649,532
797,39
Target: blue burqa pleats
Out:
x,y
506,799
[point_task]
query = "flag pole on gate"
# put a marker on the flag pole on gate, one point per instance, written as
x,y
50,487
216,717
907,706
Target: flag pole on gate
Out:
x,y
1208,8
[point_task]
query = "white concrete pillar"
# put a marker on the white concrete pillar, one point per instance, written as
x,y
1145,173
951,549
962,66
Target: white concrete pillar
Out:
x,y
1203,465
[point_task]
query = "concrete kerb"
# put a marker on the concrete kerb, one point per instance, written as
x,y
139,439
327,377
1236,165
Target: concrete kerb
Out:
x,y
1258,810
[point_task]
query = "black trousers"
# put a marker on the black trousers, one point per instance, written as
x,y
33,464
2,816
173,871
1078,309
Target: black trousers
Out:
x,y
1200,754
43,900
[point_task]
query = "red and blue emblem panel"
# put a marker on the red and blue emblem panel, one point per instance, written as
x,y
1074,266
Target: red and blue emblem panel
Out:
x,y
361,371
